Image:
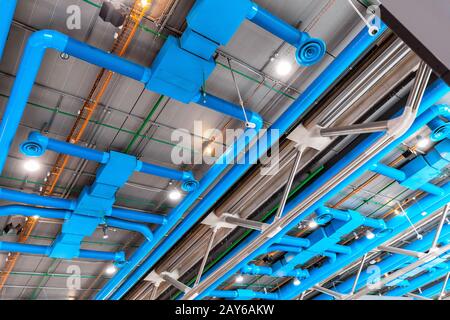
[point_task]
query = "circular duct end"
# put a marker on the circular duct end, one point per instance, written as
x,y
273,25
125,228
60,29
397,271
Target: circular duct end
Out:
x,y
440,133
324,218
189,185
311,52
384,233
32,149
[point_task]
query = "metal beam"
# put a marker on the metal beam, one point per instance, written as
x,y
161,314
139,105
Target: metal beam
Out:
x,y
395,250
245,223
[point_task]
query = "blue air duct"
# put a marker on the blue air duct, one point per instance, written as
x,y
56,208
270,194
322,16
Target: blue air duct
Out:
x,y
306,100
7,8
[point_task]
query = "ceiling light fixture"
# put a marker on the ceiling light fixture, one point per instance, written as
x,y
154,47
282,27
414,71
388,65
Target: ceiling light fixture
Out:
x,y
32,165
174,195
239,279
313,224
422,142
296,282
370,235
144,3
111,269
283,68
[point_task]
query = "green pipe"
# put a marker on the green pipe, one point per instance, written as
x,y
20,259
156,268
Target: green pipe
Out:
x,y
52,275
144,124
67,114
38,289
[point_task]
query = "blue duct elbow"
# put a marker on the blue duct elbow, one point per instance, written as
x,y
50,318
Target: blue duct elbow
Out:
x,y
28,70
309,50
7,8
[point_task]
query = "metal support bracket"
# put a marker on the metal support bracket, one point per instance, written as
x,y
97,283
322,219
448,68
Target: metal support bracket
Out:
x,y
410,253
231,221
309,138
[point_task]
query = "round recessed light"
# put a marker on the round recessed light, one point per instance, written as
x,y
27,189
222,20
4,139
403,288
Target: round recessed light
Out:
x,y
296,282
32,165
313,224
239,279
370,235
283,68
174,195
111,269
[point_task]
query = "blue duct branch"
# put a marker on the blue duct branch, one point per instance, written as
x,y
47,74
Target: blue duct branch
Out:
x,y
307,99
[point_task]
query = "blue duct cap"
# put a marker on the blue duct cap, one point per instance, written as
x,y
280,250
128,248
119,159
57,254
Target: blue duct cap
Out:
x,y
311,52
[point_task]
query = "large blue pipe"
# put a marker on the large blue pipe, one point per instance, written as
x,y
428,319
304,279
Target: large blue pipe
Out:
x,y
306,100
432,95
7,8
309,50
390,263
